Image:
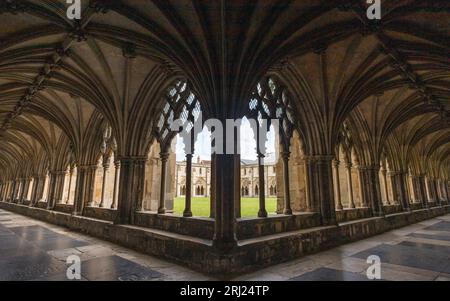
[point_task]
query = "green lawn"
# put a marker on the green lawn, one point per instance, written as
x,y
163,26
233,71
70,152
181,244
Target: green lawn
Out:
x,y
249,206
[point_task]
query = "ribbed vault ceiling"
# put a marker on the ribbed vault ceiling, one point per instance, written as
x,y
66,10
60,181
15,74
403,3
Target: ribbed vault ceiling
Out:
x,y
62,81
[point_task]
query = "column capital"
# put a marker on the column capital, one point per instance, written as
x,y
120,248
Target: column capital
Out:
x,y
164,156
87,167
323,158
336,163
131,160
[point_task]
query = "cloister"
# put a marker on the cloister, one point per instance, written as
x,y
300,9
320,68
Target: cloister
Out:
x,y
86,108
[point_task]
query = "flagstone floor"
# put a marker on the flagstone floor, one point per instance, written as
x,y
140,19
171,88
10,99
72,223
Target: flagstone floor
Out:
x,y
34,250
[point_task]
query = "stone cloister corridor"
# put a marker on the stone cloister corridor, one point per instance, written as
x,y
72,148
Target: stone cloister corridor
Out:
x,y
91,110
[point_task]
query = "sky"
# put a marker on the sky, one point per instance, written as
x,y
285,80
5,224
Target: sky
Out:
x,y
248,144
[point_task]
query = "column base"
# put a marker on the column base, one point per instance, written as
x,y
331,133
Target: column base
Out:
x,y
262,213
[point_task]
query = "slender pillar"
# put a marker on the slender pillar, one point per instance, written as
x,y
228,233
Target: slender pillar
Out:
x,y
423,191
71,170
362,186
59,191
262,193
116,184
237,185
435,191
348,168
287,194
307,169
385,185
51,190
337,185
187,210
85,188
23,183
404,200
106,163
213,188
26,189
162,193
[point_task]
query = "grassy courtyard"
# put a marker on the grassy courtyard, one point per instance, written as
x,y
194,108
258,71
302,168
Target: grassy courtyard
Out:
x,y
249,206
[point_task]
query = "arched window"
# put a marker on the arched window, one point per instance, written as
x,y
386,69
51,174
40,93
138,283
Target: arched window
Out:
x,y
180,104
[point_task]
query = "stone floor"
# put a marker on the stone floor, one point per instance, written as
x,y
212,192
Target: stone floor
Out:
x,y
34,250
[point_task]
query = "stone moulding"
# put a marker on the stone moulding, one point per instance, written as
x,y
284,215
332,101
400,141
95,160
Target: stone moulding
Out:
x,y
250,254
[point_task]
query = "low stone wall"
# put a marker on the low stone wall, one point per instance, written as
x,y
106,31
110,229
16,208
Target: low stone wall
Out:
x,y
64,208
42,205
250,254
416,206
100,213
347,215
197,227
250,228
391,209
283,247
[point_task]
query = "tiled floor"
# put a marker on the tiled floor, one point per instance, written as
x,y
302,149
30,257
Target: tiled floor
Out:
x,y
33,250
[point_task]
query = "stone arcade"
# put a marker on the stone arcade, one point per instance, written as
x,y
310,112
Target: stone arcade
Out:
x,y
86,107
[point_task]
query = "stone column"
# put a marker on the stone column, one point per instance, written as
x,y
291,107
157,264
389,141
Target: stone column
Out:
x,y
423,191
435,191
447,189
116,184
51,202
337,186
348,168
56,186
324,180
375,191
401,182
14,191
262,193
307,169
162,193
39,189
386,191
71,170
213,188
188,209
22,190
237,185
363,187
26,189
225,221
106,163
131,188
287,194
84,191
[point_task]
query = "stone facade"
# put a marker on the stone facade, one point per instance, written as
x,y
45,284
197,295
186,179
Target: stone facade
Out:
x,y
201,178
